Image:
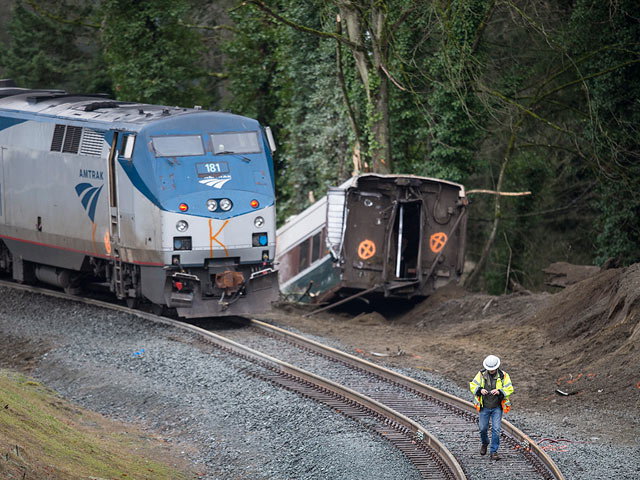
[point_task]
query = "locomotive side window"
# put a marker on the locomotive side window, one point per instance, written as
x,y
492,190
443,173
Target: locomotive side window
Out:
x,y
237,142
126,147
178,146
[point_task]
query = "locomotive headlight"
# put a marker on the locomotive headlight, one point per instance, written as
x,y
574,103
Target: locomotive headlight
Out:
x,y
225,204
258,222
182,226
212,205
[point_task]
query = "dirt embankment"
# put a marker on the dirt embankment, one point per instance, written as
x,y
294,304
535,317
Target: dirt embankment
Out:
x,y
583,341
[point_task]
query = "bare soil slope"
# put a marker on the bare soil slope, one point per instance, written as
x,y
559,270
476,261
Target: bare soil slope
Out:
x,y
583,341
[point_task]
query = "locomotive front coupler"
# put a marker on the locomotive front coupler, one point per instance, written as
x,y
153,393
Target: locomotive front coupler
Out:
x,y
182,290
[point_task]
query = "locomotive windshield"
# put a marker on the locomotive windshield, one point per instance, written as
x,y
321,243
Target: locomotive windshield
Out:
x,y
178,146
236,142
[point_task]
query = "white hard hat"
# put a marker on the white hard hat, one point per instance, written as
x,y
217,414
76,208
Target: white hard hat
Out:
x,y
491,362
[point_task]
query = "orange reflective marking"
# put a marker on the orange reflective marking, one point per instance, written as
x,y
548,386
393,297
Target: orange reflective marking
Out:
x,y
107,242
212,237
437,241
94,227
366,249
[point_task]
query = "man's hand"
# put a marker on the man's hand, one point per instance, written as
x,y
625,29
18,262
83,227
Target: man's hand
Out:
x,y
484,391
495,391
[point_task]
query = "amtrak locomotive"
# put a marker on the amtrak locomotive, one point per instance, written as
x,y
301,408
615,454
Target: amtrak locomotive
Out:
x,y
170,205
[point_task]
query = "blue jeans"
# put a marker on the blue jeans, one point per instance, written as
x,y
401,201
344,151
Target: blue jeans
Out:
x,y
495,414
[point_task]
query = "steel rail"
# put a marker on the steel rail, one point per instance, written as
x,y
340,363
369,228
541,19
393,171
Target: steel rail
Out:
x,y
416,431
525,442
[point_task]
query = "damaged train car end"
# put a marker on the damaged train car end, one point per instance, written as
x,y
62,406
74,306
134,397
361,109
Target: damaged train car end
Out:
x,y
377,236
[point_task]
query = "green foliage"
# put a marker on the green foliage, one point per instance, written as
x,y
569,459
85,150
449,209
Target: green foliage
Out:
x,y
151,55
607,39
251,66
546,90
455,111
619,228
46,53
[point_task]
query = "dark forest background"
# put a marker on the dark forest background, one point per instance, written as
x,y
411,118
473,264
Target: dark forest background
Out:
x,y
506,96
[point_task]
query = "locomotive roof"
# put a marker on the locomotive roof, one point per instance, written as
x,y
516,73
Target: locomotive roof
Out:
x,y
91,108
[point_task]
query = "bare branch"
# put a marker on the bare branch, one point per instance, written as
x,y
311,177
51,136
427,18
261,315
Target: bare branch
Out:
x,y
301,28
494,192
219,75
526,110
45,13
392,79
588,77
482,26
403,18
214,28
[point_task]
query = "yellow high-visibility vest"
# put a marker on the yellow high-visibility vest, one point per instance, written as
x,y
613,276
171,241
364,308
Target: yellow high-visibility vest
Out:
x,y
503,384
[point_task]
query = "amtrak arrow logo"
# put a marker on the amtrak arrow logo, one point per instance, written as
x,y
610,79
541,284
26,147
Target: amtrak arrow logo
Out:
x,y
215,182
89,197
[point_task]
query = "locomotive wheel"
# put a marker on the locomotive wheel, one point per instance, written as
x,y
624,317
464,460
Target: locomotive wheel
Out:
x,y
73,290
132,302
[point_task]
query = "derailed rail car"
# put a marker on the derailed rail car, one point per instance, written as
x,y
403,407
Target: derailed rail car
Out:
x,y
171,205
385,236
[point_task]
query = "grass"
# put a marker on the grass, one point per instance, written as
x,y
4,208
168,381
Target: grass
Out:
x,y
43,436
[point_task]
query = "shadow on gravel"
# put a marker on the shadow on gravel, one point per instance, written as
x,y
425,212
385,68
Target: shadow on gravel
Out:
x,y
220,323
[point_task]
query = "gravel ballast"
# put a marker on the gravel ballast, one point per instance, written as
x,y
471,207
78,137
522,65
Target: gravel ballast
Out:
x,y
131,370
165,380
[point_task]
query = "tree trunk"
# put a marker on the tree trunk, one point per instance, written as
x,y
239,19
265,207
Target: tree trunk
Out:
x,y
496,209
381,152
376,83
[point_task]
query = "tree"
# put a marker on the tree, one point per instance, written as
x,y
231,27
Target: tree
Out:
x,y
152,55
550,105
604,37
45,52
368,33
287,79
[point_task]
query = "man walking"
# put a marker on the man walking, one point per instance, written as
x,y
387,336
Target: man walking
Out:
x,y
491,388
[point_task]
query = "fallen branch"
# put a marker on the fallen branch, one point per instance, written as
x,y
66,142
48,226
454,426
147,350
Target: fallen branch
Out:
x,y
504,194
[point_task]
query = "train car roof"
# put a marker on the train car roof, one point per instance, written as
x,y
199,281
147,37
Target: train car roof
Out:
x,y
353,181
96,109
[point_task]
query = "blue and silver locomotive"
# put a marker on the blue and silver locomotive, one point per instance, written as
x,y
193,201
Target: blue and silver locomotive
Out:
x,y
170,205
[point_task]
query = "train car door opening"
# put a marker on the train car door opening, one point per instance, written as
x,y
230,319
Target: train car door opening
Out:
x,y
406,238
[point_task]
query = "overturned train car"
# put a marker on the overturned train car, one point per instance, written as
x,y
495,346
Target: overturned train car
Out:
x,y
379,236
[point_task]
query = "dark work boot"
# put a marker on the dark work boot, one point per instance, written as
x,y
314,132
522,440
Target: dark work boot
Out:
x,y
495,456
483,449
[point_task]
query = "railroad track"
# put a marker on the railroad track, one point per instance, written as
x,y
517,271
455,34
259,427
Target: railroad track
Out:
x,y
452,420
436,431
430,458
